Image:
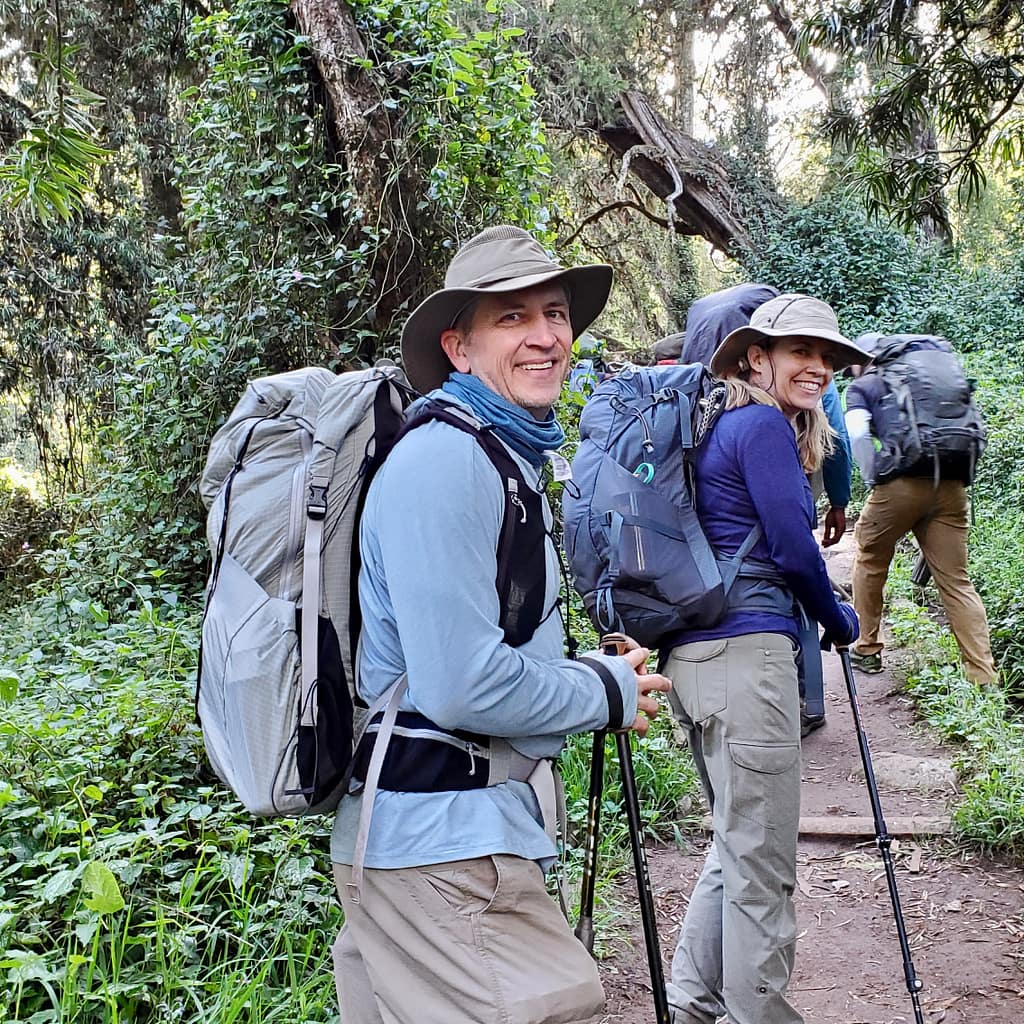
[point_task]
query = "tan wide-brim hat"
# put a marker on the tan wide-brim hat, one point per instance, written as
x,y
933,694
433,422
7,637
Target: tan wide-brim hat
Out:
x,y
498,259
786,316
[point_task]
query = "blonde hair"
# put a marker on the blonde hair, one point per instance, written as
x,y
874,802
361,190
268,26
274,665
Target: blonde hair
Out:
x,y
814,434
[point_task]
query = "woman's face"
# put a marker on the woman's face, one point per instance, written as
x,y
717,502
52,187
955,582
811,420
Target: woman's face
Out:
x,y
794,370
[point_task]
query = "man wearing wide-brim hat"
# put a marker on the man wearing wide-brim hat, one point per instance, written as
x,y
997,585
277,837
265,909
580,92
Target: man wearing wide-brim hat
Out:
x,y
447,916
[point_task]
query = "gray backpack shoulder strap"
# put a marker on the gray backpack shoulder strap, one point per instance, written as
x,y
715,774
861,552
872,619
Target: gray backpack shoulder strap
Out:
x,y
389,701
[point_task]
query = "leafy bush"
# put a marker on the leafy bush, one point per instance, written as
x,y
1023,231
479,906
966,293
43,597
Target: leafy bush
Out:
x,y
135,888
25,526
996,542
878,279
990,811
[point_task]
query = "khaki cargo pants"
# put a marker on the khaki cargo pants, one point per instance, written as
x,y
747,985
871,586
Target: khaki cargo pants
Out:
x,y
467,942
937,515
737,700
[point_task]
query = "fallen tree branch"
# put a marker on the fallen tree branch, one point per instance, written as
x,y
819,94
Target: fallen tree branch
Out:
x,y
694,179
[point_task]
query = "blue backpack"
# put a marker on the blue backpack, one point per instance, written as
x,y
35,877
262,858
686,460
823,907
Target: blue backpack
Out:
x,y
636,549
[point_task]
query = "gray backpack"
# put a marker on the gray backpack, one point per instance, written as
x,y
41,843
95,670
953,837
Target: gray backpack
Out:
x,y
928,407
284,484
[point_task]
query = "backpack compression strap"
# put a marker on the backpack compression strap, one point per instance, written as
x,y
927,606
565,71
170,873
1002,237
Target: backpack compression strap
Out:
x,y
327,440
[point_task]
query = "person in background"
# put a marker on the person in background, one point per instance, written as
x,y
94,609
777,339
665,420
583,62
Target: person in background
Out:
x,y
734,686
450,921
927,496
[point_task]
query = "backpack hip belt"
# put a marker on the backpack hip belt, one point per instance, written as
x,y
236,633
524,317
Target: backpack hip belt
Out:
x,y
383,717
424,758
758,587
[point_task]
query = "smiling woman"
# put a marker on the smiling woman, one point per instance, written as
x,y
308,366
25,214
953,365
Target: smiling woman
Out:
x,y
794,371
736,684
786,357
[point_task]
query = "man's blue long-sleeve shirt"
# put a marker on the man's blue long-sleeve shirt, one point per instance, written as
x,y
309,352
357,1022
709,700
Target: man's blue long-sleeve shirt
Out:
x,y
428,541
836,469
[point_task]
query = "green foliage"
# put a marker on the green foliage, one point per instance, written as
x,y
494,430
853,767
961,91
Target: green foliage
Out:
x,y
955,74
996,542
468,116
53,166
828,248
134,888
25,526
979,719
278,262
878,279
666,782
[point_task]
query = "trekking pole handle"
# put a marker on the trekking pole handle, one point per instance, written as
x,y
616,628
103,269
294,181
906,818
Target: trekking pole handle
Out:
x,y
617,644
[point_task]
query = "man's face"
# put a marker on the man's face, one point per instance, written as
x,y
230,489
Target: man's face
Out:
x,y
518,344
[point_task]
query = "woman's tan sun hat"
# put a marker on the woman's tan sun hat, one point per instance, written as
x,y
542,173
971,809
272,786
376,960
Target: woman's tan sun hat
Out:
x,y
498,259
783,317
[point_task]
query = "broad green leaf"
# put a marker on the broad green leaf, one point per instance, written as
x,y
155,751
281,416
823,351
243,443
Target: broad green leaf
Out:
x,y
59,884
105,897
8,685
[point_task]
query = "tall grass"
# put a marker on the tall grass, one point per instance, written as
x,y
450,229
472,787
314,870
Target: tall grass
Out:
x,y
133,887
982,722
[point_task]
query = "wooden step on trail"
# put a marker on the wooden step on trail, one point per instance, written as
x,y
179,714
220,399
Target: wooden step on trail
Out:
x,y
857,827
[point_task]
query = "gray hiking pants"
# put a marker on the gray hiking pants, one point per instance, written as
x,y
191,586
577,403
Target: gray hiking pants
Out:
x,y
737,700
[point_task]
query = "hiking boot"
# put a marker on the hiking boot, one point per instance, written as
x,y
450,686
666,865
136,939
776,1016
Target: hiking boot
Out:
x,y
868,663
808,723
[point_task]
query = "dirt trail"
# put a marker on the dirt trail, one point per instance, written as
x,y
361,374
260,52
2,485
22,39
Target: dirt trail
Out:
x,y
964,914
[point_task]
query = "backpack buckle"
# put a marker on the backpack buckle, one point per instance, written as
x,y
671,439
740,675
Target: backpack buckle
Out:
x,y
316,504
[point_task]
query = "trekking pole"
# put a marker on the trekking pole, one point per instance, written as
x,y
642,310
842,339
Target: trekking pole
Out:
x,y
882,837
616,643
922,571
585,924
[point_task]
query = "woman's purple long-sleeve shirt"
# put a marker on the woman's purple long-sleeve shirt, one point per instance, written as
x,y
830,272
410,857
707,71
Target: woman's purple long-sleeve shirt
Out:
x,y
748,470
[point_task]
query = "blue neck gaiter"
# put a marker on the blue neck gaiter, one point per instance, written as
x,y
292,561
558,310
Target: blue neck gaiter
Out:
x,y
520,430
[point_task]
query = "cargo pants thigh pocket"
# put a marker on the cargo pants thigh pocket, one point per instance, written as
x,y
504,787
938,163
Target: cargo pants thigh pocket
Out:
x,y
700,679
766,782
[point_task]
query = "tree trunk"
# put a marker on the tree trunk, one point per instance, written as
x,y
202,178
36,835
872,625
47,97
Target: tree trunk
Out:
x,y
933,221
693,178
685,71
365,144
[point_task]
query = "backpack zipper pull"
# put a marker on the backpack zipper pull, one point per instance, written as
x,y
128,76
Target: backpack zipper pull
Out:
x,y
472,760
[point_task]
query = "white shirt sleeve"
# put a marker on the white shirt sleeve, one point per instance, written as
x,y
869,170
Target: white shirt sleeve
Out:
x,y
858,426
